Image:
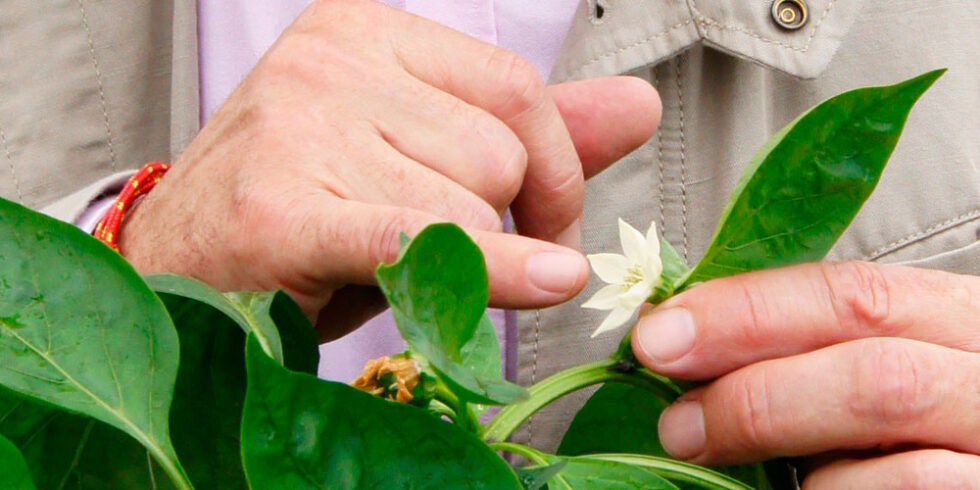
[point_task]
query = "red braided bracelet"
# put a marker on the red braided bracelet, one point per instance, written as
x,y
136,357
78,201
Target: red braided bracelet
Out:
x,y
146,177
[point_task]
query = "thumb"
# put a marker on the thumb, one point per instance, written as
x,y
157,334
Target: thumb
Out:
x,y
607,117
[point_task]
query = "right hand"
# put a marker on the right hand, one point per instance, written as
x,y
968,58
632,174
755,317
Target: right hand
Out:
x,y
362,122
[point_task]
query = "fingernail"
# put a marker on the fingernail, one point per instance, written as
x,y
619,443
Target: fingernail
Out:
x,y
666,335
681,429
555,272
571,237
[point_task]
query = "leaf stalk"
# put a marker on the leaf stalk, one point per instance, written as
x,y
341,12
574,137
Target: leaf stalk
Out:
x,y
572,379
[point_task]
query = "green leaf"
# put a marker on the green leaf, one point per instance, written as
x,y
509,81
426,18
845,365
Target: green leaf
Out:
x,y
801,190
300,344
584,473
65,450
622,418
684,475
205,418
481,354
277,321
13,468
438,291
536,477
618,417
302,432
675,269
80,330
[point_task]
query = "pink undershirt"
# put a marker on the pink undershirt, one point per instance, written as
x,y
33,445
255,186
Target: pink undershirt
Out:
x,y
234,34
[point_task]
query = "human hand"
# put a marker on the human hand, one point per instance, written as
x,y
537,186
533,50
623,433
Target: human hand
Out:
x,y
363,122
872,368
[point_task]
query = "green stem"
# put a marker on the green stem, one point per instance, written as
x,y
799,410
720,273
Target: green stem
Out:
x,y
677,471
532,455
465,418
172,467
575,378
442,409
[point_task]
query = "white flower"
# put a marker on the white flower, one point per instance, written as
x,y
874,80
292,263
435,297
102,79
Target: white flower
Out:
x,y
632,277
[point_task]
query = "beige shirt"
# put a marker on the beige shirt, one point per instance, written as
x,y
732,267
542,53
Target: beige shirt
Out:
x,y
729,78
91,88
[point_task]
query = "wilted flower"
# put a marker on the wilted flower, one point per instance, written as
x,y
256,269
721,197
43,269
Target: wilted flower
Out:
x,y
632,276
391,378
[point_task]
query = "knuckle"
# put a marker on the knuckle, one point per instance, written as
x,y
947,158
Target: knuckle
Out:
x,y
755,331
523,88
894,384
753,411
384,239
478,215
509,163
860,295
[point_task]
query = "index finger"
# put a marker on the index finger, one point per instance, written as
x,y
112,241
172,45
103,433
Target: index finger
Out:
x,y
510,88
731,322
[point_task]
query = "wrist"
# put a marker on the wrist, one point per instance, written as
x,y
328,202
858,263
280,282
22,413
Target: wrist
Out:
x,y
108,229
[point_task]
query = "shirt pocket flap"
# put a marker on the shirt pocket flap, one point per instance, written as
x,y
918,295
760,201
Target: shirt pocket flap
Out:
x,y
799,37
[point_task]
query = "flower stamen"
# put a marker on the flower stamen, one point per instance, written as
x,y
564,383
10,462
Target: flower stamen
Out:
x,y
633,276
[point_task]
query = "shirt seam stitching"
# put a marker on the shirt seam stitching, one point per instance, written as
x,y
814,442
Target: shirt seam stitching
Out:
x,y
661,170
708,22
622,49
101,86
679,81
10,164
923,234
534,371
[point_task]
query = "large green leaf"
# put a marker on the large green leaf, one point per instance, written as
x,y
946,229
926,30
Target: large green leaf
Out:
x,y
80,330
584,473
438,291
618,417
277,321
801,190
205,418
622,418
300,345
302,432
13,468
66,450
683,475
536,477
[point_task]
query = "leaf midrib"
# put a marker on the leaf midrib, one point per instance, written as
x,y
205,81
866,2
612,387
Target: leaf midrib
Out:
x,y
150,442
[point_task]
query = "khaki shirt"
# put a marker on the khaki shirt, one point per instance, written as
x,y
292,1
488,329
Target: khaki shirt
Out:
x,y
90,88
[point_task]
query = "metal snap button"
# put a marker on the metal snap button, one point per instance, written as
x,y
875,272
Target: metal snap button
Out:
x,y
789,14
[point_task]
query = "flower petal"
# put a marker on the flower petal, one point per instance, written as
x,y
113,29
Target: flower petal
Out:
x,y
615,319
653,241
610,268
636,295
634,245
652,270
606,298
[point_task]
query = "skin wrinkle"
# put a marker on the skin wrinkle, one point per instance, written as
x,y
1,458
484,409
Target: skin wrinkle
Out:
x,y
859,296
895,388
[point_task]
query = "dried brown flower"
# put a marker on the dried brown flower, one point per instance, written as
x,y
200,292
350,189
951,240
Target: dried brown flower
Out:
x,y
390,378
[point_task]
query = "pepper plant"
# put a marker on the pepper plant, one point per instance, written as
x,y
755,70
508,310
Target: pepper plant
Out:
x,y
113,380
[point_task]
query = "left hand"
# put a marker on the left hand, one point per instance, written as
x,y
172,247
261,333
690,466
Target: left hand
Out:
x,y
874,368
